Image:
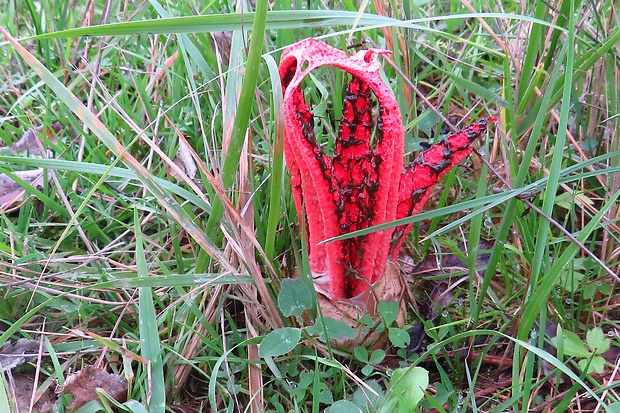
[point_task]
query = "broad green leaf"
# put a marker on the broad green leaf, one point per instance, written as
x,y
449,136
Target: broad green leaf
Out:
x,y
361,354
279,342
573,345
343,406
388,311
597,342
135,407
399,337
325,396
589,290
295,297
408,386
93,406
334,329
597,364
368,400
570,279
377,356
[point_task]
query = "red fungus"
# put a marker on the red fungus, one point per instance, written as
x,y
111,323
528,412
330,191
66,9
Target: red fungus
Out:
x,y
363,184
426,170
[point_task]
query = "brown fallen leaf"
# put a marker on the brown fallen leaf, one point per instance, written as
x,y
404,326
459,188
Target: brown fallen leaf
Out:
x,y
13,354
221,46
12,192
84,384
31,141
185,162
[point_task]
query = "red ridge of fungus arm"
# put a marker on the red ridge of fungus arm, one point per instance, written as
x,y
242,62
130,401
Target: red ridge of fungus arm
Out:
x,y
426,170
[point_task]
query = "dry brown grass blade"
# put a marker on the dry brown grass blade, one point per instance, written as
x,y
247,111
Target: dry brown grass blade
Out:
x,y
243,249
255,380
488,28
195,343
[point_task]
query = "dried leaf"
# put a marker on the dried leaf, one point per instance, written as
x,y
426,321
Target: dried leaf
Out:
x,y
31,142
222,44
185,162
17,353
12,192
84,384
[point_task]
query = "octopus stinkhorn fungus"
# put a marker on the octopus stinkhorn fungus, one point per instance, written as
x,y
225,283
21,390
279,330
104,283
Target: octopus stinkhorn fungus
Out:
x,y
364,182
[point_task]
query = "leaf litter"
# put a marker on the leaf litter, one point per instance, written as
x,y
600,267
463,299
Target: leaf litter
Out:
x,y
13,187
83,385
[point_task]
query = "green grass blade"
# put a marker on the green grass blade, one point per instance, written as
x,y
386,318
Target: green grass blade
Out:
x,y
176,280
243,113
584,63
226,22
149,331
277,164
111,171
533,50
513,205
4,397
542,235
542,354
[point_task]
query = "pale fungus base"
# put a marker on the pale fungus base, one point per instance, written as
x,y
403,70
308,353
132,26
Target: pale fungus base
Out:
x,y
350,311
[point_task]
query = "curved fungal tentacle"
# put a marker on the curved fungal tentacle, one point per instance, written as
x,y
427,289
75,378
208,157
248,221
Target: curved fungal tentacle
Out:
x,y
427,169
